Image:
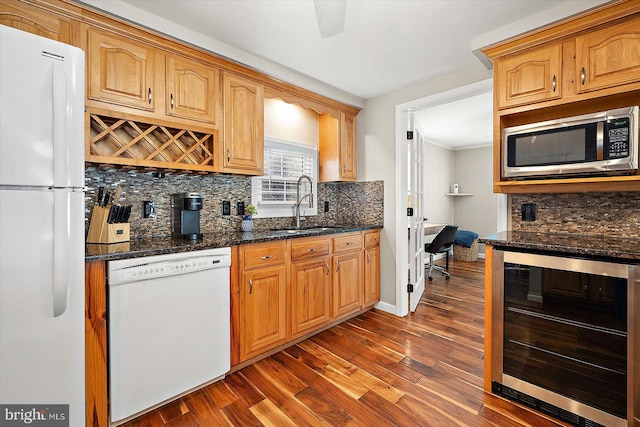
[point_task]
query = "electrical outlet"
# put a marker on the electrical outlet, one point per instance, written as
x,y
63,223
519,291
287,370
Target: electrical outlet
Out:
x,y
326,206
528,211
240,208
226,207
148,209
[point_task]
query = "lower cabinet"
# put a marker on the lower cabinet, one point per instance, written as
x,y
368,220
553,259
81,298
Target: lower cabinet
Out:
x,y
347,283
310,291
262,299
371,276
371,267
288,289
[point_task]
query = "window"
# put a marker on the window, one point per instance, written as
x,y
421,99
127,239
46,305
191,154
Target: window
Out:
x,y
285,162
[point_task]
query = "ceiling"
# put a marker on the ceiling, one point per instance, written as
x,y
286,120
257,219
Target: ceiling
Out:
x,y
460,124
386,44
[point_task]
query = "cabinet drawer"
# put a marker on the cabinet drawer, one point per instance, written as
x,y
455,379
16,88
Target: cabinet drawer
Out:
x,y
371,238
347,243
305,248
264,254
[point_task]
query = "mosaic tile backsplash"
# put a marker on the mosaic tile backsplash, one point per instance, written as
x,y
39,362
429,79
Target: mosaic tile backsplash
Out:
x,y
611,214
358,203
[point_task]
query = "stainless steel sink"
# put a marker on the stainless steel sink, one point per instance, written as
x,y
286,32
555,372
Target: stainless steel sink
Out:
x,y
303,229
321,228
288,230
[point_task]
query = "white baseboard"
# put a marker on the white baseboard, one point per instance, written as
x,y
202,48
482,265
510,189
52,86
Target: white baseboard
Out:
x,y
385,306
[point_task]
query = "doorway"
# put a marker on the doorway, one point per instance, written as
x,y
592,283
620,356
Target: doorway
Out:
x,y
407,253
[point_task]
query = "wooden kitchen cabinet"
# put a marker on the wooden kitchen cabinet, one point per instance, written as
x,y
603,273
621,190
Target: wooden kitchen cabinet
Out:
x,y
529,77
122,71
35,20
243,143
371,267
347,280
310,290
95,331
262,298
194,90
337,144
608,57
310,284
584,64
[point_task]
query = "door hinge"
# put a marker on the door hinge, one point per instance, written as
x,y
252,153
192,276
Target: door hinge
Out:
x,y
409,134
409,211
409,287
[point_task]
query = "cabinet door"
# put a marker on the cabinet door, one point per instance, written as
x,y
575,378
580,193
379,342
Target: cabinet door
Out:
x,y
347,282
348,158
243,150
121,71
371,276
609,57
529,77
35,20
193,90
262,301
310,295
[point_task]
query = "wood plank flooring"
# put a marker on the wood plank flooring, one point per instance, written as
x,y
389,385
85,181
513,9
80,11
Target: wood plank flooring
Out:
x,y
374,370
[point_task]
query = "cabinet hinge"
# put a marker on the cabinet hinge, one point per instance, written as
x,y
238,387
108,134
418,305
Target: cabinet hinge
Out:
x,y
409,287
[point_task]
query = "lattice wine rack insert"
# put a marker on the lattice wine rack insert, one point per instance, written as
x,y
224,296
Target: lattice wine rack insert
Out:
x,y
133,143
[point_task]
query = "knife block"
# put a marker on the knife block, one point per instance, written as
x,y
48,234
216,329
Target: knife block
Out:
x,y
100,231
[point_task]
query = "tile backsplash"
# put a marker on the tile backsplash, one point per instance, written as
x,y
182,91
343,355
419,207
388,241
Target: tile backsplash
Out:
x,y
358,203
612,214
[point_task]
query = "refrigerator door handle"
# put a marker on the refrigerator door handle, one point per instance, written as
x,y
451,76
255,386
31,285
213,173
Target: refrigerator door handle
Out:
x,y
61,243
61,110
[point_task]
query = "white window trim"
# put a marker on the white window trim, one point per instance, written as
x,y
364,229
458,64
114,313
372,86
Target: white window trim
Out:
x,y
286,209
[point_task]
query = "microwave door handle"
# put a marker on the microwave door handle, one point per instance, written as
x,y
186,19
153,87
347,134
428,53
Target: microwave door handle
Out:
x,y
600,141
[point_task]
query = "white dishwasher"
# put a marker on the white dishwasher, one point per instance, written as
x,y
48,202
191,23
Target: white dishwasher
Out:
x,y
169,327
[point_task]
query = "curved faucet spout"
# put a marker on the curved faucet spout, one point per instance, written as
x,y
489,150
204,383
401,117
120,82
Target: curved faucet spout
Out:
x,y
300,199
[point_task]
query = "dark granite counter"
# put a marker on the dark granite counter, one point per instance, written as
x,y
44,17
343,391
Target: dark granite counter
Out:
x,y
168,245
604,247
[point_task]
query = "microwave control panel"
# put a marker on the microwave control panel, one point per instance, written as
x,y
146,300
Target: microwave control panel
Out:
x,y
618,138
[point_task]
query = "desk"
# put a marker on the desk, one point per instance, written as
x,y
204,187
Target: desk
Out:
x,y
430,229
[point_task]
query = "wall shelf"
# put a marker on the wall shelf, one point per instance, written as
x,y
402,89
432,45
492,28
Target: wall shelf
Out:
x,y
458,194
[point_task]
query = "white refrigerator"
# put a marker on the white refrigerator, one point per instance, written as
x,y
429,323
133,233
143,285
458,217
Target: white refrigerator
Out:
x,y
41,227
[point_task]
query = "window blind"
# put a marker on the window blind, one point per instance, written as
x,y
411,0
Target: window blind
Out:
x,y
283,165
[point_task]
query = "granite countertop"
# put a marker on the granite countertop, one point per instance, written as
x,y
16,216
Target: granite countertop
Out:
x,y
167,245
572,244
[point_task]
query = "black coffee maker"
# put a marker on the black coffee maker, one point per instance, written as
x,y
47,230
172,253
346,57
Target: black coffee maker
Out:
x,y
186,215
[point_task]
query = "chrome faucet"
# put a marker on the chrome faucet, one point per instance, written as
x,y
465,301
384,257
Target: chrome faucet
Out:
x,y
299,200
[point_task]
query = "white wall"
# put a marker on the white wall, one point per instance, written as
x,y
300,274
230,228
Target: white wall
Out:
x,y
376,160
290,122
438,176
473,171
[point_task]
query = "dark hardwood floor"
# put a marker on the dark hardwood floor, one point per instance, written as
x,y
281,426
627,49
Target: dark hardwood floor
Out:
x,y
374,370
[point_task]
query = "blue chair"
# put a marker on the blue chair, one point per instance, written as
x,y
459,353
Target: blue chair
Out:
x,y
441,244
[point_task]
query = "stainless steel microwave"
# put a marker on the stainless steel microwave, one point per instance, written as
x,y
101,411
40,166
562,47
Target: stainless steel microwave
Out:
x,y
603,143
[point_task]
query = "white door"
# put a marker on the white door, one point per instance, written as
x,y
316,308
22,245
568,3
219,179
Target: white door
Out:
x,y
416,220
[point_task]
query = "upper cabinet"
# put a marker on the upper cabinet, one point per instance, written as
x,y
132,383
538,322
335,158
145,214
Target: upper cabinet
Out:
x,y
121,71
193,90
608,57
153,102
583,65
243,145
337,147
532,76
35,20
